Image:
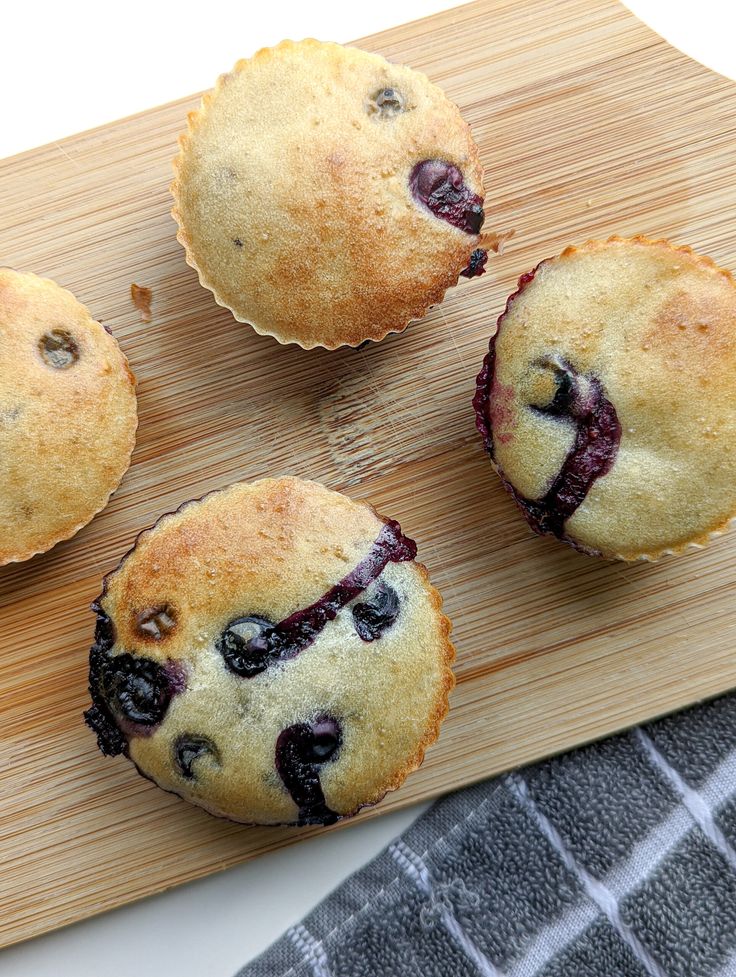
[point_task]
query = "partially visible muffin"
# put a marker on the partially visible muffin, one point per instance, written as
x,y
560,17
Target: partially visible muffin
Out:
x,y
271,653
67,415
608,398
326,196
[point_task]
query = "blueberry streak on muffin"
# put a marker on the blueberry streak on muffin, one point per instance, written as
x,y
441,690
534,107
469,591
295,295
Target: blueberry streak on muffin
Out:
x,y
301,750
249,645
579,399
596,443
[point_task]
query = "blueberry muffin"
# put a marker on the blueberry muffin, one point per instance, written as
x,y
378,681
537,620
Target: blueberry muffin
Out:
x,y
271,653
67,415
607,400
326,196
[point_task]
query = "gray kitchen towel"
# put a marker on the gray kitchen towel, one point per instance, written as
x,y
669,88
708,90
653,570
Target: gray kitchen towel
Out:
x,y
616,860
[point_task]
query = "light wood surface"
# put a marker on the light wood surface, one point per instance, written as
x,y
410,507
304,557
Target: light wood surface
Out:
x,y
588,124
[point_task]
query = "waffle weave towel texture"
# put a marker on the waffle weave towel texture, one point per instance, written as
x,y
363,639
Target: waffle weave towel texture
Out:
x,y
616,860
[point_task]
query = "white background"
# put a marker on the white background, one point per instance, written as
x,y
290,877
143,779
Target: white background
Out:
x,y
70,65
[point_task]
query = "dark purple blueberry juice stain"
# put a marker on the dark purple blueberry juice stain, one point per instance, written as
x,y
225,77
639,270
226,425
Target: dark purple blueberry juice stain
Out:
x,y
592,455
476,265
98,717
484,380
188,748
439,186
375,616
301,751
580,399
249,645
130,694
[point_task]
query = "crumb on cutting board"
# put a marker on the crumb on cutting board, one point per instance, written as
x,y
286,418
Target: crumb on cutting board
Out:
x,y
142,297
495,242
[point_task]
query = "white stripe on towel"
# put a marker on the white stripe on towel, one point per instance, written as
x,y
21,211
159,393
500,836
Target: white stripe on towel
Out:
x,y
311,950
728,969
627,876
693,801
599,893
416,869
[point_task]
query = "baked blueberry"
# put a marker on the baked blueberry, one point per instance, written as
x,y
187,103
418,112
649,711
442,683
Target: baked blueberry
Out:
x,y
58,349
63,381
439,186
304,634
388,101
188,749
369,200
374,616
477,264
136,689
130,693
605,398
247,645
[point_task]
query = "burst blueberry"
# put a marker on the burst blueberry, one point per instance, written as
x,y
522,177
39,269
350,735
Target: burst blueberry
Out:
x,y
374,616
476,265
439,186
248,645
137,689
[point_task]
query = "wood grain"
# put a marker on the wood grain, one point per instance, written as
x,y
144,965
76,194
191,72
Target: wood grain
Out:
x,y
588,124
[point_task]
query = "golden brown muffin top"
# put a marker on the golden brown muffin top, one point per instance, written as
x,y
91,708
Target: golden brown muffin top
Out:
x,y
292,194
67,415
619,355
225,721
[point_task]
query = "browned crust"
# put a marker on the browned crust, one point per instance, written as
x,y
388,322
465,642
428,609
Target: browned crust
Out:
x,y
96,605
417,301
445,687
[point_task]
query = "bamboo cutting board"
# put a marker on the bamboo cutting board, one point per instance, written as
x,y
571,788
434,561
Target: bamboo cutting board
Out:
x,y
588,124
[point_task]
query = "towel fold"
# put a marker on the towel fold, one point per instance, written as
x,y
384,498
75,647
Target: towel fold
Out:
x,y
615,860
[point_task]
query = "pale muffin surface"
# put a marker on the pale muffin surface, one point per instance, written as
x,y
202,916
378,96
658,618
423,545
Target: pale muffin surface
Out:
x,y
648,329
67,415
293,199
